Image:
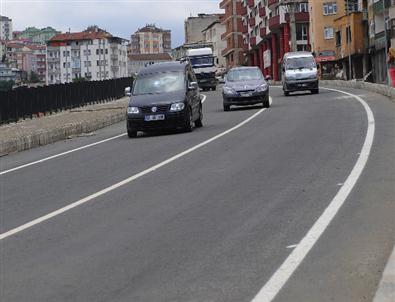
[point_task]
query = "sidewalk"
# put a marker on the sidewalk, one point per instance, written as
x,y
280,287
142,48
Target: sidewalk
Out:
x,y
28,133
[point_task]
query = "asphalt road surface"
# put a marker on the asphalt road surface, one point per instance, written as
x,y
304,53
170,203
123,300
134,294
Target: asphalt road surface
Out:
x,y
214,213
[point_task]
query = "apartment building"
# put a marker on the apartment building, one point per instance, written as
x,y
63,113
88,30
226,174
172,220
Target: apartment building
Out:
x,y
234,52
94,55
212,34
150,40
38,63
35,35
5,28
194,27
267,33
18,56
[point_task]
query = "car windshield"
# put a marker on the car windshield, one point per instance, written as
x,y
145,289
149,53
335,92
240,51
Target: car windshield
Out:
x,y
244,75
202,61
156,83
299,63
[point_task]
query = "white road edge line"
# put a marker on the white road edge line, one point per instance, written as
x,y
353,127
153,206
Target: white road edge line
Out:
x,y
70,151
270,290
125,181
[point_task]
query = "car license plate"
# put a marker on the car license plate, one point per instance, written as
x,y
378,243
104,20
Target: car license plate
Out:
x,y
155,117
245,93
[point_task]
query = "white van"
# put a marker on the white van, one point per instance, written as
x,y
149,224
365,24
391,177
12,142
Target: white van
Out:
x,y
299,72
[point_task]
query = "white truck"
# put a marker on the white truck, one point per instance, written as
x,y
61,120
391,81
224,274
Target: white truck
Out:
x,y
202,61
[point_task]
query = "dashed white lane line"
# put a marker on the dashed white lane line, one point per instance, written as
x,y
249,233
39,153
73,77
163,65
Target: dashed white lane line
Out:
x,y
125,181
276,282
70,151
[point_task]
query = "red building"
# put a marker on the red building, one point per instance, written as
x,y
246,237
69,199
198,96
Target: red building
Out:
x,y
234,52
267,33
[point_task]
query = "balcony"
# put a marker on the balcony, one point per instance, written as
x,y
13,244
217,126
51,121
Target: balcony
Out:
x,y
262,12
251,3
378,6
272,2
253,41
251,21
299,17
223,36
262,32
274,22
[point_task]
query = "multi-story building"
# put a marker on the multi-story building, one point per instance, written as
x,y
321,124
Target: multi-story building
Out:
x,y
94,55
38,61
6,73
138,61
18,56
194,26
35,35
351,38
234,52
267,33
150,39
5,28
381,28
212,34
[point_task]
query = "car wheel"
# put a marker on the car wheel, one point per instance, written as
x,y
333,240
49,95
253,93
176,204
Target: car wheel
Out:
x,y
266,103
315,91
214,88
286,93
226,107
188,120
132,133
199,121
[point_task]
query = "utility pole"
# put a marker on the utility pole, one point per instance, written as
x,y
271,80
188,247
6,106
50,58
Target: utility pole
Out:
x,y
348,40
291,8
386,45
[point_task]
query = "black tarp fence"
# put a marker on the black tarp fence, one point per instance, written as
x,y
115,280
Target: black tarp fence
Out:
x,y
22,103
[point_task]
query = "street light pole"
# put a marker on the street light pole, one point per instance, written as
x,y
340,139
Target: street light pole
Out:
x,y
386,45
348,40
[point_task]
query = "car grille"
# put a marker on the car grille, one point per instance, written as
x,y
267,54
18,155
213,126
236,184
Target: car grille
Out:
x,y
161,108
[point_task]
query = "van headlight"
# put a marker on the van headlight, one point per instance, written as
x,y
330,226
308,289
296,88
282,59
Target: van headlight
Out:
x,y
133,110
178,106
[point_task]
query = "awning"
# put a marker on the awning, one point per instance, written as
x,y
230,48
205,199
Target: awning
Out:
x,y
325,59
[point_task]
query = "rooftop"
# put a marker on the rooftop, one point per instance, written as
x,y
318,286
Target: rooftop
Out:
x,y
150,57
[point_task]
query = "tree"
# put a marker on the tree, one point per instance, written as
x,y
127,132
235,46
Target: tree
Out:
x,y
79,80
291,8
6,85
34,77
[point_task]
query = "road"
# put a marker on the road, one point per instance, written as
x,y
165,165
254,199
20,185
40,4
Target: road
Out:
x,y
217,220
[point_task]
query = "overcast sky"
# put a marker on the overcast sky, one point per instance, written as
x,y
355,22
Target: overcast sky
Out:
x,y
119,17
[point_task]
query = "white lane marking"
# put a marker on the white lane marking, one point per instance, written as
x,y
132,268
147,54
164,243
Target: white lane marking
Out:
x,y
270,290
340,184
70,151
292,246
125,181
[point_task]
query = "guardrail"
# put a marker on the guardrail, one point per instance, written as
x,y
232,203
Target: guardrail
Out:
x,y
22,103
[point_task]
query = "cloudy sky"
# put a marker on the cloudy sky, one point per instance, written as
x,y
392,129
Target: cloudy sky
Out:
x,y
119,17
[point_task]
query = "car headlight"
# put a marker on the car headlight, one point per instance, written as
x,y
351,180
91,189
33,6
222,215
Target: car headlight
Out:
x,y
177,106
261,88
133,110
228,90
313,76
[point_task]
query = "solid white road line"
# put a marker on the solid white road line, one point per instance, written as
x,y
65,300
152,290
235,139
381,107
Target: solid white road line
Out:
x,y
125,181
270,290
70,151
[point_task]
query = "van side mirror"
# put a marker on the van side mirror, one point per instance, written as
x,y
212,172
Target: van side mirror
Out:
x,y
193,86
127,91
268,78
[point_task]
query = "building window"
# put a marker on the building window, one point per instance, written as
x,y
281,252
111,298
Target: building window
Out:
x,y
303,7
348,34
328,33
338,38
301,32
330,8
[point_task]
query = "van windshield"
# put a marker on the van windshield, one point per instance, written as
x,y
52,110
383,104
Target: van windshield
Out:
x,y
202,61
244,75
162,82
299,63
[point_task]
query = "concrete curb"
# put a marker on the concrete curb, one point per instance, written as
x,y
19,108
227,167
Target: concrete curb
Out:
x,y
59,133
372,87
386,290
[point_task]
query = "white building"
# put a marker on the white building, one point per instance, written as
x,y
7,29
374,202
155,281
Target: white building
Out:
x,y
213,35
94,55
5,28
138,61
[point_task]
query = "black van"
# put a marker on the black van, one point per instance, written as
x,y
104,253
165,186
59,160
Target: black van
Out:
x,y
163,96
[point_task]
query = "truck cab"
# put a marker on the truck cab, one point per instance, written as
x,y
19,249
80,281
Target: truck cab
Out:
x,y
202,61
